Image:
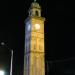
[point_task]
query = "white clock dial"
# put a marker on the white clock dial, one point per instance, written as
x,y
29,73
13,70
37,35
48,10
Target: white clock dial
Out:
x,y
37,26
29,27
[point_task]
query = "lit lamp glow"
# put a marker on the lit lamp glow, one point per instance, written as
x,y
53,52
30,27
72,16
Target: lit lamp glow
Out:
x,y
1,72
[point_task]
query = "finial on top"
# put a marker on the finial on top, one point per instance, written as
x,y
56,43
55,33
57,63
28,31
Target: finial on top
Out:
x,y
34,0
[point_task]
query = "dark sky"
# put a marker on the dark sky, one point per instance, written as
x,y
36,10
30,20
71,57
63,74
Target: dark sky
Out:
x,y
59,30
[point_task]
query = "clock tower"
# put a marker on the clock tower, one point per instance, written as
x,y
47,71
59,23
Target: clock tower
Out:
x,y
34,55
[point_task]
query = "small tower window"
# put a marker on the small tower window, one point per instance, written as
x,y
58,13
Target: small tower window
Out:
x,y
40,47
34,46
37,14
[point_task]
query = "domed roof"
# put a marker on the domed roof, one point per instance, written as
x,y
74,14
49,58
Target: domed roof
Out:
x,y
35,5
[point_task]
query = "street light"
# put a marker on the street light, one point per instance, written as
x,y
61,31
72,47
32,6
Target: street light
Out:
x,y
2,43
2,72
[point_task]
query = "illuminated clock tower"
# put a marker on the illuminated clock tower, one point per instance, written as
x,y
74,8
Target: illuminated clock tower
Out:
x,y
34,55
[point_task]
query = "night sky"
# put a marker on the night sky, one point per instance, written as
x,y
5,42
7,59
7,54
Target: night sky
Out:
x,y
59,34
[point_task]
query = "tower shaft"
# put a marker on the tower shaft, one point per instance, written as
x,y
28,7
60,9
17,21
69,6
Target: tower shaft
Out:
x,y
34,56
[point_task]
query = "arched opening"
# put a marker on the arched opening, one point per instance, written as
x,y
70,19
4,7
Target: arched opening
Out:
x,y
37,14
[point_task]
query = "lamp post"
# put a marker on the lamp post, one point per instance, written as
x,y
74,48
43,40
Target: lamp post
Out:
x,y
11,64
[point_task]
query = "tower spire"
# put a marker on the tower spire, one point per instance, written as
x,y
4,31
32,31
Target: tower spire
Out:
x,y
35,9
34,0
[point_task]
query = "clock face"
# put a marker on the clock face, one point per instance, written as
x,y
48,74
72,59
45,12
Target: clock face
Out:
x,y
37,26
29,27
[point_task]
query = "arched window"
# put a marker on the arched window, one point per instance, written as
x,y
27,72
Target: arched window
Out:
x,y
40,47
37,14
34,46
